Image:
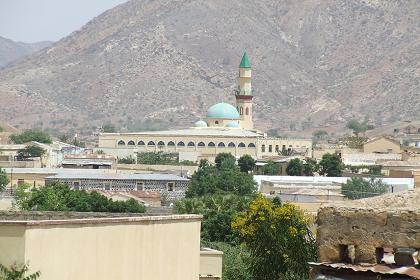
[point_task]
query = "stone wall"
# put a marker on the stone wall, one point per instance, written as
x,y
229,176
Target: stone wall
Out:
x,y
366,229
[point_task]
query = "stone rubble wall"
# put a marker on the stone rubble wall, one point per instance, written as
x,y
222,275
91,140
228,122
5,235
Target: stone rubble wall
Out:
x,y
366,229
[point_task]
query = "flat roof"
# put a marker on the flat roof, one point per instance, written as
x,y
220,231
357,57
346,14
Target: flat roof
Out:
x,y
221,132
71,219
120,176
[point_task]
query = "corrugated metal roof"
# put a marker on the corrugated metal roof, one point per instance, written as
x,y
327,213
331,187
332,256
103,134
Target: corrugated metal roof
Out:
x,y
120,176
411,271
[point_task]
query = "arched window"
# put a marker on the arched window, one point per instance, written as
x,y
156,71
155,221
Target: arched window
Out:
x,y
246,111
201,144
121,143
263,148
181,144
242,111
211,144
216,122
241,145
191,144
231,145
161,143
140,143
171,143
251,145
131,143
221,144
151,143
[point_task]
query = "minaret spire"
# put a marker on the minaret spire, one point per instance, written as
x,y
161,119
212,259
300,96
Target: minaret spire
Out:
x,y
244,93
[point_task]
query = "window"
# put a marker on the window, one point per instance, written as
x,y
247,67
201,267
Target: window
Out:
x,y
139,186
170,186
241,145
20,182
216,122
140,143
242,111
107,186
171,143
161,143
221,144
131,143
151,143
191,144
231,145
201,144
181,144
211,144
277,148
247,111
121,143
76,185
251,145
270,148
263,148
283,147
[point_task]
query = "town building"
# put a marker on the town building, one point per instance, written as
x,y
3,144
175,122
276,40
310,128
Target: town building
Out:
x,y
225,128
88,161
107,246
170,186
374,238
382,145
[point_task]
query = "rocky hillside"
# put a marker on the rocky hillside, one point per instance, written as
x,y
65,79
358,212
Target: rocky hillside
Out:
x,y
11,51
316,63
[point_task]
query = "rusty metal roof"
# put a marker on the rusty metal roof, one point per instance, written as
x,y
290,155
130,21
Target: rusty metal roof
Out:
x,y
412,271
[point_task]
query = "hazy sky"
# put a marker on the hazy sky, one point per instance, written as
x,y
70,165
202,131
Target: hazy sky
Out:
x,y
41,20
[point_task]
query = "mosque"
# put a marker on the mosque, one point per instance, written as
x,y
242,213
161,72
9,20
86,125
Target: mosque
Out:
x,y
225,128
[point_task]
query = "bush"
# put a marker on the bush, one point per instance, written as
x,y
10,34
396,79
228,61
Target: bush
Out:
x,y
3,180
59,197
246,163
31,151
127,160
270,168
331,165
31,135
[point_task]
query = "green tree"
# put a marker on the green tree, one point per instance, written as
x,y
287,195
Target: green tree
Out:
x,y
278,239
319,135
295,167
31,135
31,151
270,168
310,167
331,165
357,187
59,197
108,128
3,180
246,163
228,179
359,127
227,160
218,212
17,272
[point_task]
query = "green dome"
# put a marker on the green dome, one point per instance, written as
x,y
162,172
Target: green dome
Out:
x,y
200,124
223,111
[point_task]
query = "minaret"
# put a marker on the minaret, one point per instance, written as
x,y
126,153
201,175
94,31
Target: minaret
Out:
x,y
244,93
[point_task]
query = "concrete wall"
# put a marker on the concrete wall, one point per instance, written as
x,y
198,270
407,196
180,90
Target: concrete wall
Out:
x,y
366,229
210,264
382,145
158,248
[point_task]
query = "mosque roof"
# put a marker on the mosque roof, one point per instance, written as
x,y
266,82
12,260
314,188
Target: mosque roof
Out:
x,y
245,62
223,111
221,132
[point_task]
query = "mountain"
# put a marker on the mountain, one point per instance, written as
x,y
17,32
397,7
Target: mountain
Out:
x,y
316,63
11,51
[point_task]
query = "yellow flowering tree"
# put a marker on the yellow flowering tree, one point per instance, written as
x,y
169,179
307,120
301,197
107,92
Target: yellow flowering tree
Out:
x,y
278,238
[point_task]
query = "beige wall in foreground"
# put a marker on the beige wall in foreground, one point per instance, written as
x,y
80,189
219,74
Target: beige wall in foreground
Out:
x,y
149,250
